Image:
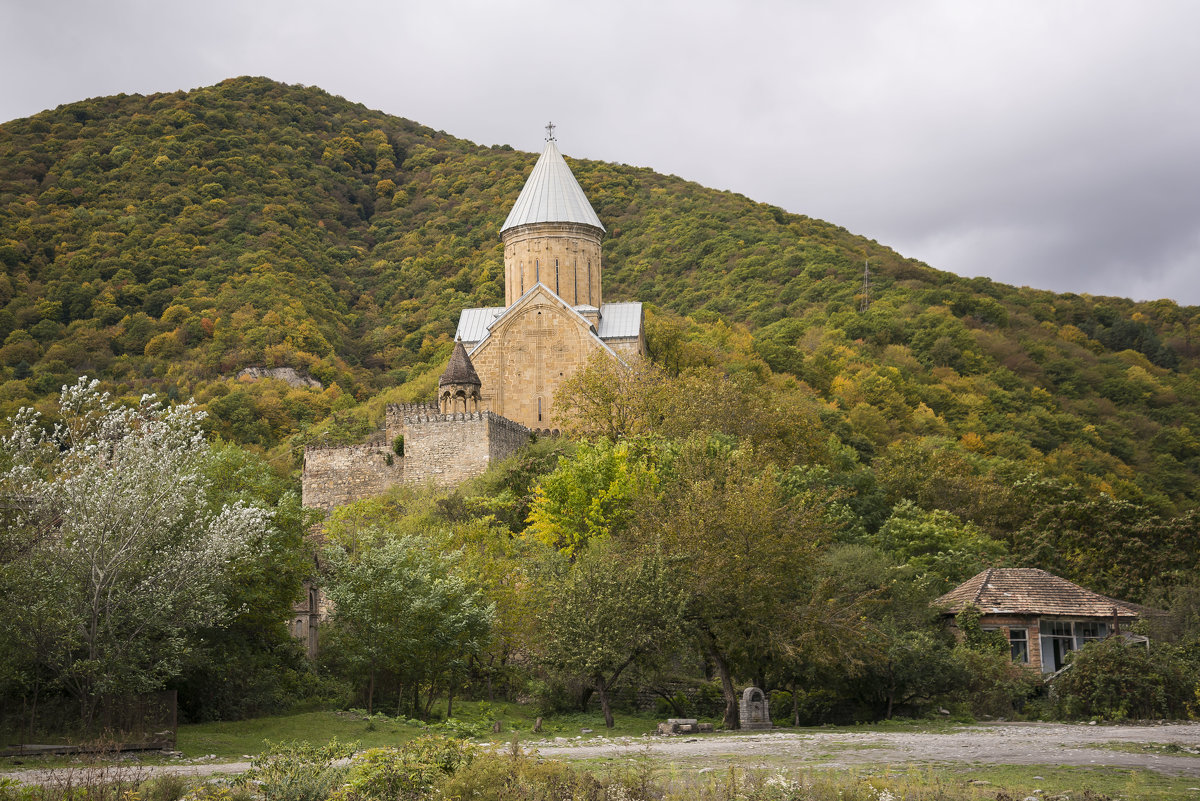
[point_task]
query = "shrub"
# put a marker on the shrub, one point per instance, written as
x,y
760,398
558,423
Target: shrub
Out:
x,y
298,771
1117,679
400,774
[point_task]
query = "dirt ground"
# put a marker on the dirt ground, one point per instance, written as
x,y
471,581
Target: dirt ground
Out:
x,y
1000,743
1003,744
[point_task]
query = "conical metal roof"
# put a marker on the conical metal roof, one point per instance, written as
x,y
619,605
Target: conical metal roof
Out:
x,y
460,370
551,195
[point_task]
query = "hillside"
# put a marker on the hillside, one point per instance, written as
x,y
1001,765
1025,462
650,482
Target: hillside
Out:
x,y
163,243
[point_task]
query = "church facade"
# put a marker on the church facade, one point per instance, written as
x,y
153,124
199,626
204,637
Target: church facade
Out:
x,y
508,361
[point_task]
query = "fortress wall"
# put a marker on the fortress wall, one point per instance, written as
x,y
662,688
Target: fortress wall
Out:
x,y
334,476
504,437
446,449
394,414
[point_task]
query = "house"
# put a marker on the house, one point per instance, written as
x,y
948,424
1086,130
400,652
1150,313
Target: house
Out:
x,y
1043,616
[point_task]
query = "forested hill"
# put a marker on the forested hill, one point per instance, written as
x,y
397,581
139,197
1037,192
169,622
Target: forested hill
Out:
x,y
163,243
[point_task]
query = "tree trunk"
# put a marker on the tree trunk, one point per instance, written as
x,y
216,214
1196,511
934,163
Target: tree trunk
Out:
x,y
670,699
604,707
795,703
732,721
891,693
429,700
585,695
450,702
371,692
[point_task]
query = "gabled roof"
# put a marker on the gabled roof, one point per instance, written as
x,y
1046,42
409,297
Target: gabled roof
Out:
x,y
617,321
551,194
460,370
1030,591
473,323
521,302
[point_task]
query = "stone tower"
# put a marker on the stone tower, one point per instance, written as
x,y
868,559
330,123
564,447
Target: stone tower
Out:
x,y
458,388
552,236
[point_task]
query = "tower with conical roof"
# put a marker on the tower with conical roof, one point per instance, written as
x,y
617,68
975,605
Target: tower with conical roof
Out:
x,y
458,387
552,235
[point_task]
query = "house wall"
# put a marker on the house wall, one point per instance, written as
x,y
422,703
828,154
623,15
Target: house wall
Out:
x,y
524,361
1029,623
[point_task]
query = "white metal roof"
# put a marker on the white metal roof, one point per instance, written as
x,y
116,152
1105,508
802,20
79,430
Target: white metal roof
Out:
x,y
551,194
473,323
620,320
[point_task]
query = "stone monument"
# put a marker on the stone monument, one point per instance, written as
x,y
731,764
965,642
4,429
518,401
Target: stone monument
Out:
x,y
754,711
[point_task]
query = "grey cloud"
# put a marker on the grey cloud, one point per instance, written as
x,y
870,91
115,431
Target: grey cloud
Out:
x,y
1051,145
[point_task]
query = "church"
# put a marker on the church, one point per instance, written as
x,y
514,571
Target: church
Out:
x,y
554,317
508,361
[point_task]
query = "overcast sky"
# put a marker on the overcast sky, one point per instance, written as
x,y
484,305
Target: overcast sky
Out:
x,y
1041,143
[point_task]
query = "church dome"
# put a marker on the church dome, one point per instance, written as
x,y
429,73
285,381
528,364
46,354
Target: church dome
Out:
x,y
551,195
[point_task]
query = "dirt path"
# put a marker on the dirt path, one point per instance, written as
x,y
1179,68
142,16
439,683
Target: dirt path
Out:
x,y
1003,744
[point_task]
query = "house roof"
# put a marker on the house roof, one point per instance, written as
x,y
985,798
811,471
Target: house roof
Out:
x,y
1030,591
551,194
460,370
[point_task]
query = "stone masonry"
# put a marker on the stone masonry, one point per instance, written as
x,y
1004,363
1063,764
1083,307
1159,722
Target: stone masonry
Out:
x,y
443,449
337,475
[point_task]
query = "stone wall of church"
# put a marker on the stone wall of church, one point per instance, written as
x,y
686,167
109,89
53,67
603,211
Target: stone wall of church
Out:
x,y
336,475
563,256
528,357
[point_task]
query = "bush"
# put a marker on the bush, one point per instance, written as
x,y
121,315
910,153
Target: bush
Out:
x,y
298,771
1116,679
401,774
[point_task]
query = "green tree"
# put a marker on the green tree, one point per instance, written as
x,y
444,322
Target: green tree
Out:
x,y
590,496
400,609
746,553
608,613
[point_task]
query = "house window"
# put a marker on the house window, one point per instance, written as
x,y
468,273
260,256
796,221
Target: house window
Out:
x,y
1089,631
1058,640
1018,643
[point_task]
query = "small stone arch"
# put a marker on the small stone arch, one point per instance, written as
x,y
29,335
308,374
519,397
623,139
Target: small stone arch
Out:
x,y
754,711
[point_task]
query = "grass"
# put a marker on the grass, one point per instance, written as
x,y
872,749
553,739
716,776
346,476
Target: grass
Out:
x,y
231,740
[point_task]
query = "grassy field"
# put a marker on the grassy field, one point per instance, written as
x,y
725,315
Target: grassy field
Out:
x,y
236,739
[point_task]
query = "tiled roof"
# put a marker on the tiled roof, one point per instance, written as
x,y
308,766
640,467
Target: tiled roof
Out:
x,y
1030,591
459,370
551,194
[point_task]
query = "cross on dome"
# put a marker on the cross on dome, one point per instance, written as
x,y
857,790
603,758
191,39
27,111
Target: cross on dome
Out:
x,y
550,131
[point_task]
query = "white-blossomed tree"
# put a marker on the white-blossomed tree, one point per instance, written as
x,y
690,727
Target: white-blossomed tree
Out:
x,y
113,555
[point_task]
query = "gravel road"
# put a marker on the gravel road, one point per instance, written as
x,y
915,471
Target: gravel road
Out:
x,y
1005,744
1001,743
